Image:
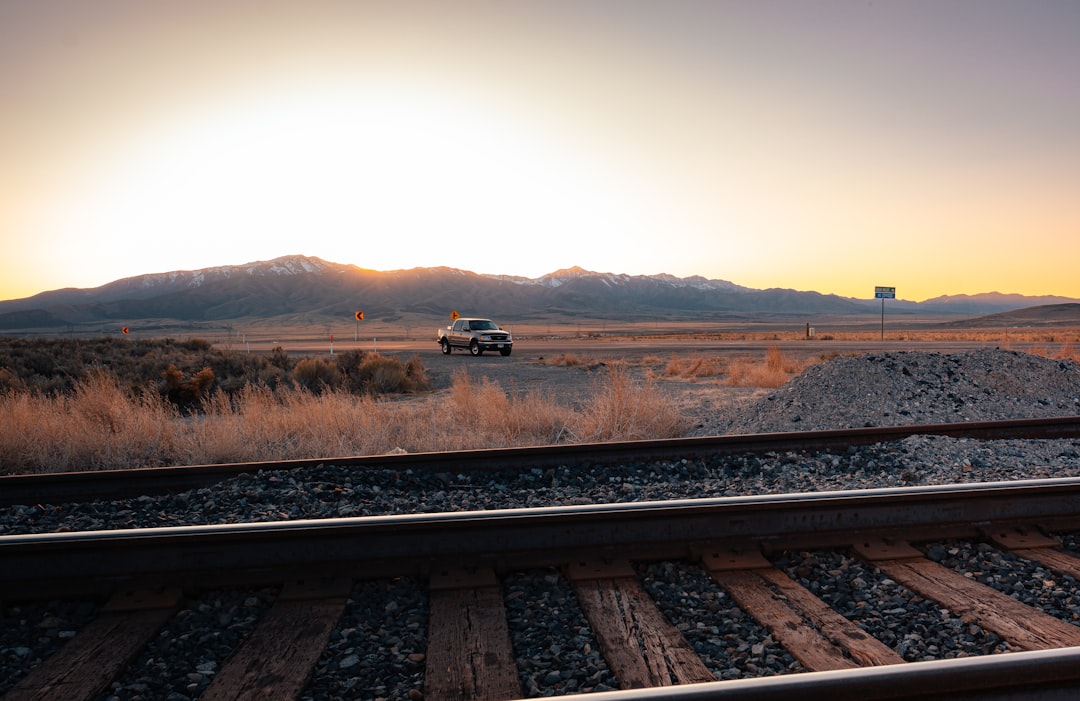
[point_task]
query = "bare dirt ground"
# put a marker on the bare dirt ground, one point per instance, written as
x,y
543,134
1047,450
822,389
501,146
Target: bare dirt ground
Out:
x,y
536,366
540,370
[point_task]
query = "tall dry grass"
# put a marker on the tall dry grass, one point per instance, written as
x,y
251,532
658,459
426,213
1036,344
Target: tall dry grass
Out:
x,y
769,372
693,367
623,408
1066,351
773,372
100,426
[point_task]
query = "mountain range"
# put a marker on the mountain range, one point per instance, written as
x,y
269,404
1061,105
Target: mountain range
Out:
x,y
308,290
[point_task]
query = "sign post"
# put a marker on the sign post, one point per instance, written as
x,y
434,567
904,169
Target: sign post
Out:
x,y
359,317
884,293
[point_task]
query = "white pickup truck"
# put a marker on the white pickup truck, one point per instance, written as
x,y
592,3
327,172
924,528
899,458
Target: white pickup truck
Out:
x,y
478,335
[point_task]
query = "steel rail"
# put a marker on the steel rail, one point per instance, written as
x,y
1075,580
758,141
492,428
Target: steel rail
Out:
x,y
1043,675
414,544
395,545
117,484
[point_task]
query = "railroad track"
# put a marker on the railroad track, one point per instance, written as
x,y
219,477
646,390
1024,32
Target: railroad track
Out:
x,y
117,484
606,556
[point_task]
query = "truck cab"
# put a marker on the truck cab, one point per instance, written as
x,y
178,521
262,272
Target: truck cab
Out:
x,y
476,335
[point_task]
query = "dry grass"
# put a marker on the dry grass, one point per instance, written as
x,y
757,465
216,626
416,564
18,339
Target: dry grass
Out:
x,y
693,367
571,360
1004,337
774,371
102,423
1066,351
769,372
100,426
486,416
625,409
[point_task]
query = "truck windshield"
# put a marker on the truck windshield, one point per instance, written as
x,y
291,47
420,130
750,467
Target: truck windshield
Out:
x,y
482,326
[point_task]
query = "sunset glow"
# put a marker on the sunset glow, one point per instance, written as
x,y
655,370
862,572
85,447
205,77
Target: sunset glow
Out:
x,y
829,146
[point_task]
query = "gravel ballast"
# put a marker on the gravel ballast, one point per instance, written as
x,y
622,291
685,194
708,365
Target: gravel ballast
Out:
x,y
898,389
846,392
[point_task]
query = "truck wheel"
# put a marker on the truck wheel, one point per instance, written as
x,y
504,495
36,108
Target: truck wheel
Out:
x,y
504,351
475,348
445,346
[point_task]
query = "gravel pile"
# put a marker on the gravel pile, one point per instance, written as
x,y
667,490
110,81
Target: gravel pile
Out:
x,y
896,389
558,655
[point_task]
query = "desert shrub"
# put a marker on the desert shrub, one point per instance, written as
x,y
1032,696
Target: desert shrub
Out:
x,y
381,375
10,381
315,374
196,344
348,365
279,358
186,392
417,373
56,365
271,376
373,373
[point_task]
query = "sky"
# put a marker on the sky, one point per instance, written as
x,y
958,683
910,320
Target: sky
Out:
x,y
828,145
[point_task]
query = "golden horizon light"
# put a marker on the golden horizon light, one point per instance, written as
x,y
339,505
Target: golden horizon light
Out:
x,y
827,146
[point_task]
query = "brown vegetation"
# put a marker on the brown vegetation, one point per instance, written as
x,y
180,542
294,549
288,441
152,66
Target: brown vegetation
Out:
x,y
99,425
185,372
77,406
572,360
693,367
1017,337
774,372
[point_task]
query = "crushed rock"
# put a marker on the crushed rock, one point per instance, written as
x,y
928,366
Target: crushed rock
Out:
x,y
903,388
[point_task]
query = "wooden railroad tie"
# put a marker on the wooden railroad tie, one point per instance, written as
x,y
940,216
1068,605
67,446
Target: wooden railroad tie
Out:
x,y
815,635
84,667
641,647
278,658
470,655
1017,623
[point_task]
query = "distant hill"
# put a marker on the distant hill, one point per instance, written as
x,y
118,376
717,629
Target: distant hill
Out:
x,y
311,291
991,302
1041,316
